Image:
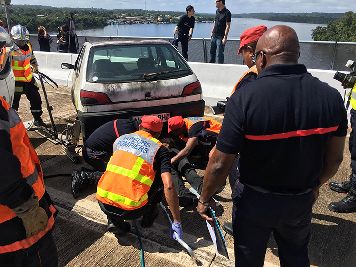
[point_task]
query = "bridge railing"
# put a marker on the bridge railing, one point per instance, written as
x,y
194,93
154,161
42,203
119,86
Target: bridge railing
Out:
x,y
314,54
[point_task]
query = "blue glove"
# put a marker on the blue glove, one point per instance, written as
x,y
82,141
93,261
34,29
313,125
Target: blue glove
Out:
x,y
177,228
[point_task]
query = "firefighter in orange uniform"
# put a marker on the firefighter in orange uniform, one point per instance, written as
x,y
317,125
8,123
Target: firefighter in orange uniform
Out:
x,y
24,64
194,137
26,211
137,173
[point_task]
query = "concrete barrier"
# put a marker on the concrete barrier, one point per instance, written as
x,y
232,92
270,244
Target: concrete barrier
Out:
x,y
217,80
50,64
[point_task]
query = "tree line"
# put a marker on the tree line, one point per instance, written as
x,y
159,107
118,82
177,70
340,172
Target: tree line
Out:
x,y
341,30
314,17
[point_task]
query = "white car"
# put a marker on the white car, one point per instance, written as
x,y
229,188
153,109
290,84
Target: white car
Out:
x,y
125,79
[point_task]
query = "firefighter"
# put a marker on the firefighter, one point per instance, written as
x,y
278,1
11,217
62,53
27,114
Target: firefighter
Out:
x,y
248,42
137,173
193,138
26,212
348,203
97,151
24,64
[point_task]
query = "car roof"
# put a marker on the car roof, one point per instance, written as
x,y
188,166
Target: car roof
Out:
x,y
130,42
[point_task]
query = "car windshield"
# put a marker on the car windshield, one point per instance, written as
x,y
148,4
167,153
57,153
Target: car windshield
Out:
x,y
124,63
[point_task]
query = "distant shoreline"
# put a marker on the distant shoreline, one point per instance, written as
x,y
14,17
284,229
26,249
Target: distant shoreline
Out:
x,y
91,18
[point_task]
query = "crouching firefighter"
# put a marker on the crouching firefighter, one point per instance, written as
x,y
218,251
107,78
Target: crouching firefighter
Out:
x,y
24,64
137,173
97,150
26,211
193,138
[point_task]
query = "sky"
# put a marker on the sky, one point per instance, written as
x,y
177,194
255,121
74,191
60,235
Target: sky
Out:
x,y
208,6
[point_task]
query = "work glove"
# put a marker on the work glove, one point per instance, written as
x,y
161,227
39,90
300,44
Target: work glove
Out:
x,y
176,228
34,218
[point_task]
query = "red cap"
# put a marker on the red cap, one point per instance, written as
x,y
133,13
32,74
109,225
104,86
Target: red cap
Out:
x,y
152,123
175,123
251,35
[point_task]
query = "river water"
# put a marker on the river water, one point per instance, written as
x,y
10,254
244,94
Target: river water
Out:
x,y
238,25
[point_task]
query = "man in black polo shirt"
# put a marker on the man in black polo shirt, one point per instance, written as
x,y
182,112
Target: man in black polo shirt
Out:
x,y
220,32
290,130
184,30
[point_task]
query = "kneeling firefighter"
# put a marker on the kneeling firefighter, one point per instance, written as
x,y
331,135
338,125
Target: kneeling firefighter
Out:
x,y
26,212
137,173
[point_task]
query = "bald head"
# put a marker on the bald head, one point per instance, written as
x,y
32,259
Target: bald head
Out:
x,y
280,44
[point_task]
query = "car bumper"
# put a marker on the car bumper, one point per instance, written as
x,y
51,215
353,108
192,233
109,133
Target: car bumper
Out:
x,y
92,120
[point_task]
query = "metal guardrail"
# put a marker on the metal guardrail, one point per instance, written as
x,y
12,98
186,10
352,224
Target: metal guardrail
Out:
x,y
327,55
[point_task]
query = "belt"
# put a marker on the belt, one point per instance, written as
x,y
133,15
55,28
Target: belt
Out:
x,y
266,191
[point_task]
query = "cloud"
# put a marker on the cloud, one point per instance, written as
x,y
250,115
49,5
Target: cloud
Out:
x,y
208,6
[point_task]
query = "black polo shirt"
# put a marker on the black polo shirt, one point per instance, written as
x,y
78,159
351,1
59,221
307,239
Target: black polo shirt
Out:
x,y
280,124
221,18
103,138
185,24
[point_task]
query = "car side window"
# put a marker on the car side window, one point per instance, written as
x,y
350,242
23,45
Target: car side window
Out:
x,y
79,60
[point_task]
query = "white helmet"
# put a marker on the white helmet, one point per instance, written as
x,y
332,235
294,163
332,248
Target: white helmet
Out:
x,y
7,83
20,33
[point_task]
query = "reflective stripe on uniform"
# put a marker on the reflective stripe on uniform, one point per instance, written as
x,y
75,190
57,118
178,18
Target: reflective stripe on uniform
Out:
x,y
5,125
14,118
133,174
21,57
31,179
26,67
353,95
28,242
121,199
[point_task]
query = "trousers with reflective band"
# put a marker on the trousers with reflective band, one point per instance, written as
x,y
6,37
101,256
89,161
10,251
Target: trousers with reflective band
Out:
x,y
353,97
253,69
211,125
129,174
21,64
31,172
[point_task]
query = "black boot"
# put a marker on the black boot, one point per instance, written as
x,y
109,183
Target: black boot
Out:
x,y
228,228
118,227
340,187
38,122
81,179
345,205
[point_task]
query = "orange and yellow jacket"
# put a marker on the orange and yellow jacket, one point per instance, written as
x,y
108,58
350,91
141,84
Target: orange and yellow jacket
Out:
x,y
18,183
129,174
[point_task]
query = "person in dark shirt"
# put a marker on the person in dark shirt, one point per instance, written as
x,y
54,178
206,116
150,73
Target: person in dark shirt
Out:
x,y
184,30
98,149
289,129
63,39
248,42
220,32
44,39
